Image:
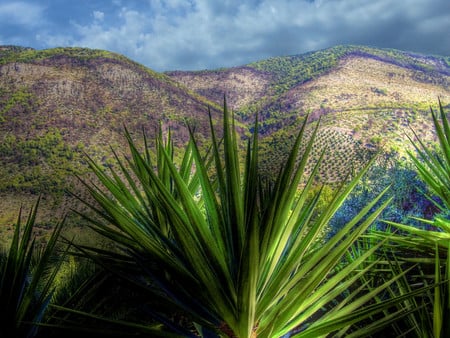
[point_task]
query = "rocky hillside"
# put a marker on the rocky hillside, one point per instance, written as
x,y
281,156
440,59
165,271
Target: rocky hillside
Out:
x,y
88,95
268,81
59,103
366,98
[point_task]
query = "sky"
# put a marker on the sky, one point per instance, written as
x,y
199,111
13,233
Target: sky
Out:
x,y
202,34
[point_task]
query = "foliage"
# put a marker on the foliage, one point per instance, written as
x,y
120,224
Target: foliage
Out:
x,y
22,97
42,164
430,247
299,68
435,168
412,277
27,273
406,188
227,252
89,300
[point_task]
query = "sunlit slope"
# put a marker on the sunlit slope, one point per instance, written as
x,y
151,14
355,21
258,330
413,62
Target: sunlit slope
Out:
x,y
369,97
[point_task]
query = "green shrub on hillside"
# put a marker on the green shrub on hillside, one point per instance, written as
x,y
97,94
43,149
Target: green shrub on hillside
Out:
x,y
21,97
41,164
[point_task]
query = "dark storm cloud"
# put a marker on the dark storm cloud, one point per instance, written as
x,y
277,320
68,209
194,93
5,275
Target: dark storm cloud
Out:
x,y
199,34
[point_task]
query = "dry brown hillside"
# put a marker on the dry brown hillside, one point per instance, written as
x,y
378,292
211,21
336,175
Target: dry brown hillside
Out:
x,y
243,86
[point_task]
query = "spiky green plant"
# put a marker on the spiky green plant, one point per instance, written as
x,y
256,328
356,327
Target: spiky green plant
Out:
x,y
430,247
27,273
434,168
221,249
394,259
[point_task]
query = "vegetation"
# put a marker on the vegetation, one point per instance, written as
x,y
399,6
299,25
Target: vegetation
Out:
x,y
293,70
342,155
27,275
39,165
429,246
300,68
17,54
284,236
209,248
410,195
20,97
229,255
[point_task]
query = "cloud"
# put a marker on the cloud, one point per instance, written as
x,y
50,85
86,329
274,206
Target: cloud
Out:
x,y
21,13
99,16
200,34
19,21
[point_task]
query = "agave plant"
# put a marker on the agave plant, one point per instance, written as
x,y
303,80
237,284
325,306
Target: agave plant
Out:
x,y
430,247
220,249
27,274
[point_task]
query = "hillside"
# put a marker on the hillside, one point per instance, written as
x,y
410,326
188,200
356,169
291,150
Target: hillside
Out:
x,y
83,92
244,86
367,98
267,80
57,104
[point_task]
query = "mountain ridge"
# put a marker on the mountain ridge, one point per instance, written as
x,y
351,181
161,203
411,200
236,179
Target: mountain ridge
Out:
x,y
58,103
285,72
281,100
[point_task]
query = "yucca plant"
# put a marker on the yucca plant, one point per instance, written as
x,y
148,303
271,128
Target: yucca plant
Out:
x,y
434,168
227,252
430,247
97,307
27,273
416,279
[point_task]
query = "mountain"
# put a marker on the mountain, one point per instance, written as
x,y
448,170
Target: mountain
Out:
x,y
57,104
271,84
366,98
88,94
